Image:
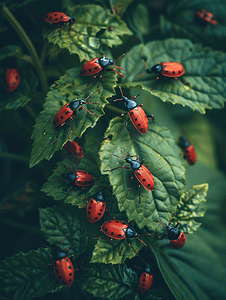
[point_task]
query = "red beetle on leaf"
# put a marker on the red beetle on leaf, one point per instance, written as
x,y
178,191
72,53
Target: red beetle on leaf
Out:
x,y
142,174
61,18
146,279
167,69
73,148
96,65
136,114
189,151
11,79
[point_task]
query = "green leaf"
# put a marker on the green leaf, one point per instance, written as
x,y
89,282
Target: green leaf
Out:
x,y
61,189
108,252
180,21
204,70
23,94
91,33
191,268
192,205
119,6
25,276
162,158
9,51
66,89
108,281
59,222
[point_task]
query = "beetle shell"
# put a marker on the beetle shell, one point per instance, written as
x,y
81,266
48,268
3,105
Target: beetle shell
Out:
x,y
139,119
190,155
56,17
146,281
172,69
11,79
145,177
95,210
179,242
115,229
63,115
84,178
64,271
74,148
92,67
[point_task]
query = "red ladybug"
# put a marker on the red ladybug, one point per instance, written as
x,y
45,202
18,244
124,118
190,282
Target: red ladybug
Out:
x,y
96,207
62,266
95,65
61,18
177,238
146,280
119,230
206,16
11,79
74,148
142,174
136,114
189,151
68,112
168,69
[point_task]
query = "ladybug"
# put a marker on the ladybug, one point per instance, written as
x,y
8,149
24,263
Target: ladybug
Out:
x,y
96,207
68,112
62,266
119,230
95,65
11,79
146,279
168,69
74,148
61,18
136,114
189,151
142,174
206,16
177,238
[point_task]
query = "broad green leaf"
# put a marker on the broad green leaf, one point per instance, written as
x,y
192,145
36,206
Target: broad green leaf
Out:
x,y
180,21
17,4
25,276
192,205
108,252
61,189
9,51
204,70
199,267
161,154
94,30
108,281
23,94
59,222
67,89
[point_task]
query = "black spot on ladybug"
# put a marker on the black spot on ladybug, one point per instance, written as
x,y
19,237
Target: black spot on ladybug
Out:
x,y
119,235
57,270
165,71
96,218
66,259
70,280
50,18
142,288
112,233
61,17
138,173
138,124
149,184
106,229
90,70
173,72
84,71
14,83
46,17
56,19
70,274
96,68
57,120
179,72
101,209
62,117
89,212
69,267
86,182
132,112
135,119
99,214
55,14
115,221
16,77
143,179
91,201
84,172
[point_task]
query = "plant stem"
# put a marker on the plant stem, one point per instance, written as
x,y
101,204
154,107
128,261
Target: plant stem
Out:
x,y
16,157
114,109
27,42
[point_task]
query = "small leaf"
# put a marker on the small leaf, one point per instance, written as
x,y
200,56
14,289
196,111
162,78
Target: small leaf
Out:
x,y
65,90
9,51
61,189
204,70
59,222
25,276
162,158
110,281
23,94
108,252
192,205
119,6
94,30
